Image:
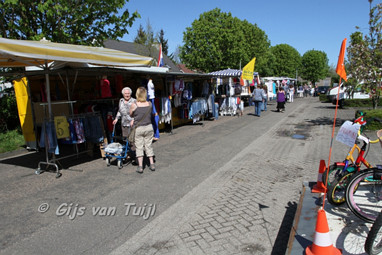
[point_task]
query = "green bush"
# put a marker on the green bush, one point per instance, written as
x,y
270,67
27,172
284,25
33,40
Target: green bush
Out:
x,y
9,117
360,103
11,140
370,114
323,98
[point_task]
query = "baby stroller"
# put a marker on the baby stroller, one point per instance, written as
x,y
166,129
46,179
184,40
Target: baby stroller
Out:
x,y
116,150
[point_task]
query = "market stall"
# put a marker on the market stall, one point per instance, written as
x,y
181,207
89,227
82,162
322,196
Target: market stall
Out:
x,y
48,56
229,87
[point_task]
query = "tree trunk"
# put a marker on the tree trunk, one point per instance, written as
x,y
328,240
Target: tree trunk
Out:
x,y
375,102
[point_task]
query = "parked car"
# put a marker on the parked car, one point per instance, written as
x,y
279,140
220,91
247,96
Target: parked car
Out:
x,y
322,90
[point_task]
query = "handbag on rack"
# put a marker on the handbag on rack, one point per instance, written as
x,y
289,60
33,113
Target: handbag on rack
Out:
x,y
131,137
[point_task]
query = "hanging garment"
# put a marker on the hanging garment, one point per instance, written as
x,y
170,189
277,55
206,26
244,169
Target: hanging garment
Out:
x,y
150,89
79,128
118,82
49,138
93,129
105,88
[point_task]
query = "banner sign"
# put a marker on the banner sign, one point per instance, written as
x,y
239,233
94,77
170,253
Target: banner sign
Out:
x,y
348,133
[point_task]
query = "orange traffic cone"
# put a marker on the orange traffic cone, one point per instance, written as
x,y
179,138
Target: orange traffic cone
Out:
x,y
322,243
319,187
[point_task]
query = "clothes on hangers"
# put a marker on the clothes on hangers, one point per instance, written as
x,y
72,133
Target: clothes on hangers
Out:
x,y
49,137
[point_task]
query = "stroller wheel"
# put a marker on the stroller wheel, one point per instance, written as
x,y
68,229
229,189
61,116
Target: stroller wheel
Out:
x,y
119,163
107,161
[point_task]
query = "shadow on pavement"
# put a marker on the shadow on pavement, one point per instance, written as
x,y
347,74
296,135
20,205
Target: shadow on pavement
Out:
x,y
281,243
326,121
69,158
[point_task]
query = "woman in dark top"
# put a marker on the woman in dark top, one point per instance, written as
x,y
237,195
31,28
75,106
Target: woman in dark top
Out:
x,y
280,100
141,112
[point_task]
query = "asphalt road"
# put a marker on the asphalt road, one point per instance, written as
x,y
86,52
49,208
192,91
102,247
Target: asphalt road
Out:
x,y
260,163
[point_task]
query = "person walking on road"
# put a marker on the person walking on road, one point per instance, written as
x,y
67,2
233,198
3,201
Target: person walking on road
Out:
x,y
291,93
281,100
265,102
258,97
141,111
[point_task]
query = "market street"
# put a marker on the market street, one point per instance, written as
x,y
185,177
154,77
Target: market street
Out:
x,y
229,186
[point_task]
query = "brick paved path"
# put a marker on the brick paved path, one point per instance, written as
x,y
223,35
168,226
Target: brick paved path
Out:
x,y
227,187
248,205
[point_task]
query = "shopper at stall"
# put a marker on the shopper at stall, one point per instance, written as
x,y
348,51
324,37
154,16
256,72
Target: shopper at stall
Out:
x,y
258,97
141,113
281,100
124,111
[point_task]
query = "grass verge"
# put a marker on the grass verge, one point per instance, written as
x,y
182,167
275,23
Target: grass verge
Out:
x,y
11,140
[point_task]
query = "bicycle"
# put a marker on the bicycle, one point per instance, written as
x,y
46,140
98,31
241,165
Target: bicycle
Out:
x,y
364,194
335,170
336,191
373,243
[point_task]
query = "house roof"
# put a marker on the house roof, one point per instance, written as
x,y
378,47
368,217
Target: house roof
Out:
x,y
184,69
135,48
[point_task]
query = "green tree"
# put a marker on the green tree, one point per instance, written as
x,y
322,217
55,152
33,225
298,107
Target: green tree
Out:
x,y
365,55
218,41
141,37
86,22
266,65
287,60
149,43
314,66
160,38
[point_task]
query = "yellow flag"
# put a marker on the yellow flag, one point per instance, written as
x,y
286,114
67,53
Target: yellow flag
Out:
x,y
248,70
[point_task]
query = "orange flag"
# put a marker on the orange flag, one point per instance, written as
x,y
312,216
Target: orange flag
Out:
x,y
340,70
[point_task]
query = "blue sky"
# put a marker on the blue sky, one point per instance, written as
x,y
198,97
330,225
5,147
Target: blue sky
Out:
x,y
303,24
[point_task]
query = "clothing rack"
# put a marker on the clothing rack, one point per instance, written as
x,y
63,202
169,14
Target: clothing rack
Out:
x,y
54,161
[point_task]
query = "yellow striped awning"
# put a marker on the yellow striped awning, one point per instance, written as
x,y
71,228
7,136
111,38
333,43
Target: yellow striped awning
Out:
x,y
20,53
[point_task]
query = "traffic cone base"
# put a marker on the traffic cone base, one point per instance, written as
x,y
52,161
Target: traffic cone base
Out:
x,y
322,243
320,187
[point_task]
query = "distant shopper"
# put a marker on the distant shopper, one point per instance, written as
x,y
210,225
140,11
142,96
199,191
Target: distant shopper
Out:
x,y
291,93
306,90
141,111
265,102
281,100
258,98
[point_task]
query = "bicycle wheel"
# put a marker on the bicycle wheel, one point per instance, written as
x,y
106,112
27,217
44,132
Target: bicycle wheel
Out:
x,y
364,194
373,243
336,191
334,171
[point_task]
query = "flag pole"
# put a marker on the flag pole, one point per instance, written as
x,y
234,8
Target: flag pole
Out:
x,y
340,70
331,141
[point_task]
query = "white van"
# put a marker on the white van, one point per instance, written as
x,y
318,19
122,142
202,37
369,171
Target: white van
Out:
x,y
333,92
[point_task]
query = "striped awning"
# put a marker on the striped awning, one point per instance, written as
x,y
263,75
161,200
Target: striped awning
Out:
x,y
20,53
228,73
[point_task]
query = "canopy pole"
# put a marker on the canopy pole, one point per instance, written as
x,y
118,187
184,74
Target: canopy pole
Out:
x,y
47,88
